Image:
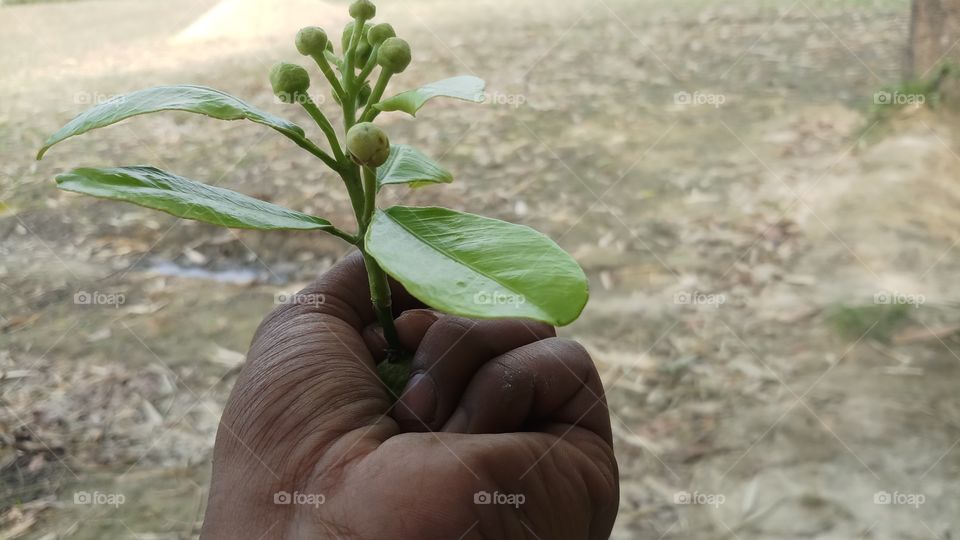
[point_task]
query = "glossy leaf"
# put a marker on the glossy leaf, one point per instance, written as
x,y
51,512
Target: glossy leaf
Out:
x,y
476,266
189,98
466,87
160,190
407,165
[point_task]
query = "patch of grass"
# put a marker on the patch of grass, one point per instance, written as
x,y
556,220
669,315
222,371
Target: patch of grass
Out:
x,y
877,322
922,93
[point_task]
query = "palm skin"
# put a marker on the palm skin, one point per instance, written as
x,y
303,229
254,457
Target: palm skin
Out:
x,y
505,407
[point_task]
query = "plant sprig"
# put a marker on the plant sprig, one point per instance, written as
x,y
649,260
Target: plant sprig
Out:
x,y
452,261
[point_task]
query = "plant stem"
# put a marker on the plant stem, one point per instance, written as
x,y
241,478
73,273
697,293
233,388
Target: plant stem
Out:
x,y
321,61
324,124
355,190
363,198
371,63
380,295
370,195
369,113
315,150
343,235
379,286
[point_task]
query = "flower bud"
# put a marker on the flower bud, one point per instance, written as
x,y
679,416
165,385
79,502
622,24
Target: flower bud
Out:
x,y
363,52
311,41
363,9
394,54
289,81
368,144
379,32
348,35
364,95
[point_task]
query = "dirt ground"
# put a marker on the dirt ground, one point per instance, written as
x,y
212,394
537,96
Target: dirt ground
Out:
x,y
770,261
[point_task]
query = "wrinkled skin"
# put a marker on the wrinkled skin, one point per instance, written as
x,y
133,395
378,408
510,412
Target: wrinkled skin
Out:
x,y
515,411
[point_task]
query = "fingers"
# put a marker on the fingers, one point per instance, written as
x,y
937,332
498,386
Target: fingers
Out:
x,y
411,326
550,381
344,292
451,351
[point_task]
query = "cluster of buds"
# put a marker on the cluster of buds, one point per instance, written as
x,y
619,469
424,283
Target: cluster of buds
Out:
x,y
376,45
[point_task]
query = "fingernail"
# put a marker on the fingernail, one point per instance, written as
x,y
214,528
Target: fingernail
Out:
x,y
418,402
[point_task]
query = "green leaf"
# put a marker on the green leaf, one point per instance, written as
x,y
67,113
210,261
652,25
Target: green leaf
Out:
x,y
477,267
189,98
407,165
466,87
160,190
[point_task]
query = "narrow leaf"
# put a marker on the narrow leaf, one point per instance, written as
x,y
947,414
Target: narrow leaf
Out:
x,y
407,165
466,87
189,98
476,266
160,190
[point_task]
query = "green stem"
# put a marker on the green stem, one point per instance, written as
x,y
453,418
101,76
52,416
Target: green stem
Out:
x,y
343,235
315,150
370,195
379,286
380,295
369,113
363,197
371,63
355,190
350,54
324,124
321,61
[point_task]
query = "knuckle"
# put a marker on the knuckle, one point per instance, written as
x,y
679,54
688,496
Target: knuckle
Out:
x,y
570,351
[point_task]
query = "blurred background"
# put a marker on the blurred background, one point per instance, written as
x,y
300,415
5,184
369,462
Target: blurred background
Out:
x,y
763,194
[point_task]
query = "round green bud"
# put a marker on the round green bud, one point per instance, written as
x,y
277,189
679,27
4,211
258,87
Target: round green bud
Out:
x,y
363,53
363,9
348,35
311,41
364,95
368,144
289,81
379,32
394,54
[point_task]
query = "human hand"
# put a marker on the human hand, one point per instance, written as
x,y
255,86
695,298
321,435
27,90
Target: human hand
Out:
x,y
502,433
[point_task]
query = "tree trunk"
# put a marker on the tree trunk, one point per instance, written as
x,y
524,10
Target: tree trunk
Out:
x,y
934,37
